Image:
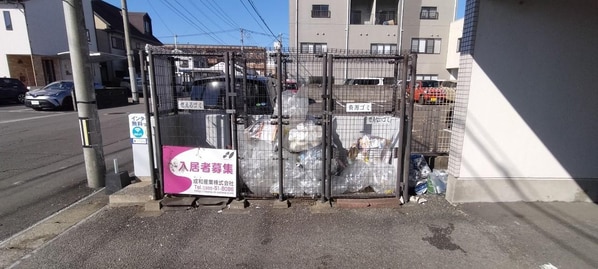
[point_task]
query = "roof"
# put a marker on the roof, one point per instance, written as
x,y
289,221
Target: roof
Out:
x,y
95,57
112,16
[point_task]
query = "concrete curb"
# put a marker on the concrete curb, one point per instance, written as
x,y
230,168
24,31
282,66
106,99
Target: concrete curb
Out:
x,y
135,194
20,245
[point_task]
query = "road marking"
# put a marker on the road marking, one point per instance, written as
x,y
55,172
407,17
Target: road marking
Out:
x,y
17,111
32,118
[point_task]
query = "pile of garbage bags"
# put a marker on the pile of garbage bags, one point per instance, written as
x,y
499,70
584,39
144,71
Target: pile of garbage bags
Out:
x,y
425,180
363,167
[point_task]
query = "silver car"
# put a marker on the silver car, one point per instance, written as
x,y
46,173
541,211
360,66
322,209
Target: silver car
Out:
x,y
56,95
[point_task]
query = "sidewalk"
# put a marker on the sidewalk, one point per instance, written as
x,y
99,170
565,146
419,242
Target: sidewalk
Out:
x,y
308,234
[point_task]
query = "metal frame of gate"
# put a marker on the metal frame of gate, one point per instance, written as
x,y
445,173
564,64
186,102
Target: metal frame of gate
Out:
x,y
270,159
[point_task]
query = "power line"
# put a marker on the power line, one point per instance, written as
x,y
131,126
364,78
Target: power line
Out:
x,y
204,14
187,19
217,39
199,34
221,13
159,17
251,14
261,18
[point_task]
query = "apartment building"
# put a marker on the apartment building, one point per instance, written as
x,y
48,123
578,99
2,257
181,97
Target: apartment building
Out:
x,y
376,27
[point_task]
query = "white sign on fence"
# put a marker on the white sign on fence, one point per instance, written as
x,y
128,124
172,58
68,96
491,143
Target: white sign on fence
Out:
x,y
359,107
382,120
190,104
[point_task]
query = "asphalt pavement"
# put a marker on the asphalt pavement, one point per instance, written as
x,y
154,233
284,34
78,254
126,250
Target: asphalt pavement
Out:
x,y
309,234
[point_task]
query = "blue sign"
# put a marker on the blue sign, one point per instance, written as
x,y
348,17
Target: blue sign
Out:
x,y
137,132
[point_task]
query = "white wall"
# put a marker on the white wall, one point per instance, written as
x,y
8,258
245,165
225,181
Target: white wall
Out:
x,y
531,113
15,41
452,56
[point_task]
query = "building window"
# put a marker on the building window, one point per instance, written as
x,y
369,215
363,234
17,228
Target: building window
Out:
x,y
355,16
7,20
320,11
428,13
427,77
426,45
383,49
313,47
184,63
118,43
147,27
387,17
459,44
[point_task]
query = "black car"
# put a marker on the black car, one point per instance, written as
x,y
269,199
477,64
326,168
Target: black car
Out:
x,y
12,89
258,98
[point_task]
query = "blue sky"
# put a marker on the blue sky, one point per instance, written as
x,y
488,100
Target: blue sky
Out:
x,y
218,22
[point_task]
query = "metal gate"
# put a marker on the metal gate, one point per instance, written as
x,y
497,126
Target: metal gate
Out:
x,y
323,126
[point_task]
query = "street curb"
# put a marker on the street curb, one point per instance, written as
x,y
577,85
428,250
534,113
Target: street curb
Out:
x,y
20,245
367,203
135,194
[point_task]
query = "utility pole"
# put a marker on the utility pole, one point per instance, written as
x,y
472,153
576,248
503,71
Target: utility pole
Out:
x,y
242,51
132,79
87,110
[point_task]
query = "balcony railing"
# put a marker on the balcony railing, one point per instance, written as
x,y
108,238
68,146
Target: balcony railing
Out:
x,y
320,13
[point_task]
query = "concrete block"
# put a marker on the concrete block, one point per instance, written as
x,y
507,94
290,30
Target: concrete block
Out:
x,y
281,204
117,181
173,201
238,204
136,194
153,205
365,203
319,207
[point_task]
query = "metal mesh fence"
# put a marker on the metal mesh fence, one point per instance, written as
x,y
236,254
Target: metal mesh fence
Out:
x,y
306,125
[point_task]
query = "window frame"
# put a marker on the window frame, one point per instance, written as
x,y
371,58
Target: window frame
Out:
x,y
313,47
429,45
426,77
385,16
320,11
355,17
7,20
117,43
387,48
431,13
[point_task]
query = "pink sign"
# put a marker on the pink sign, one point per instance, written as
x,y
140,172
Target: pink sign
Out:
x,y
199,171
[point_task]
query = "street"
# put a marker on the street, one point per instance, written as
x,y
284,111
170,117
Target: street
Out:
x,y
41,160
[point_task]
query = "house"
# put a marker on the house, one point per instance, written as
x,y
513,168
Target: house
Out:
x,y
524,125
38,51
110,33
37,34
376,27
206,59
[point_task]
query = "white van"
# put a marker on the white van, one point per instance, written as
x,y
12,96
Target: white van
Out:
x,y
364,81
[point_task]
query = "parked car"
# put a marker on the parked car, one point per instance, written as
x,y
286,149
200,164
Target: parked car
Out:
x,y
126,83
259,97
429,92
12,89
364,81
56,95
